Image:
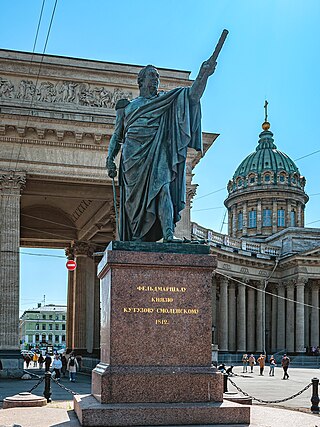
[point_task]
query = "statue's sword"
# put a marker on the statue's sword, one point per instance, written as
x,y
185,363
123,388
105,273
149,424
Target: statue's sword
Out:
x,y
115,206
213,58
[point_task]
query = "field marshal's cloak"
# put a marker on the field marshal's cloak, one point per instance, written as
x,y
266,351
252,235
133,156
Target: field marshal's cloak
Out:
x,y
156,134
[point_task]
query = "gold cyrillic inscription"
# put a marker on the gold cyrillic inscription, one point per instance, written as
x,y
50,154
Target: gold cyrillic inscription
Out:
x,y
162,322
161,299
161,289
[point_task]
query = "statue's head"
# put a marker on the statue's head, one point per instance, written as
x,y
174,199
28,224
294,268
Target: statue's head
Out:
x,y
149,76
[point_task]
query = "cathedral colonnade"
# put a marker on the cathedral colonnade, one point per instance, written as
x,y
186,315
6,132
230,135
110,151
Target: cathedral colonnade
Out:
x,y
253,316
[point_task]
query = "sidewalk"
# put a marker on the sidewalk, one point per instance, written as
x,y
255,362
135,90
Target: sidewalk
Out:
x,y
60,412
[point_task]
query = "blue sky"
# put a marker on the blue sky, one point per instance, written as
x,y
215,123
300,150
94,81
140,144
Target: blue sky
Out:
x,y
272,52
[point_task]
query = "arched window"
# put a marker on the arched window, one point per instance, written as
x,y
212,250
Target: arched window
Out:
x,y
281,218
292,218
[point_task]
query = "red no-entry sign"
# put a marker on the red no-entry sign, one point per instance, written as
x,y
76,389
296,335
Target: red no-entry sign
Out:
x,y
71,265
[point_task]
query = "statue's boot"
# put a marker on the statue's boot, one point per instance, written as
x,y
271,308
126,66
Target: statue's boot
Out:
x,y
169,237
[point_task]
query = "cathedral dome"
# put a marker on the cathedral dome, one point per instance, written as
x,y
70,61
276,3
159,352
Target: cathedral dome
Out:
x,y
266,165
266,193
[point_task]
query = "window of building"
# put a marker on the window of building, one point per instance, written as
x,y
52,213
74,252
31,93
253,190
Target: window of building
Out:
x,y
292,218
267,178
240,220
252,219
63,326
43,338
281,218
252,179
57,327
50,316
282,178
50,326
57,317
37,337
50,337
63,337
56,338
37,326
44,317
63,317
240,182
266,218
44,327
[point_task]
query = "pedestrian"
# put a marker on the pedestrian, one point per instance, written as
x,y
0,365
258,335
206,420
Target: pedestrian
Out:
x,y
57,365
1,367
47,362
222,368
272,366
252,362
245,362
64,364
72,367
41,361
35,358
27,359
79,360
285,362
262,361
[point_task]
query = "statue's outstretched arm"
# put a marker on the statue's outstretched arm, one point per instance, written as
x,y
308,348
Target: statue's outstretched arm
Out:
x,y
206,70
116,139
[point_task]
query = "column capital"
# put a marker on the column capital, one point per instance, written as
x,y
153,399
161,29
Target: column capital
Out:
x,y
69,251
301,280
11,180
224,280
82,248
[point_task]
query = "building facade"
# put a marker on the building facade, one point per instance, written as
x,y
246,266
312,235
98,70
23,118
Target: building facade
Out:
x,y
265,290
42,326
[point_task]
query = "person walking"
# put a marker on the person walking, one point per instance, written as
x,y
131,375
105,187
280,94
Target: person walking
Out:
x,y
252,362
64,364
272,366
41,361
47,362
72,367
57,365
245,363
285,362
262,361
27,359
35,358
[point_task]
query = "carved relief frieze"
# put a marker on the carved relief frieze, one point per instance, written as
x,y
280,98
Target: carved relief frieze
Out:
x,y
66,92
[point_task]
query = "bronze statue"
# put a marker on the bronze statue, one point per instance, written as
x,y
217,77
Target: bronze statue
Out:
x,y
155,130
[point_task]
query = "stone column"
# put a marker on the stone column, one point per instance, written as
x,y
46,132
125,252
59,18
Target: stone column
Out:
x,y
288,213
241,318
83,283
70,303
300,344
315,339
223,315
299,215
90,305
97,312
232,317
251,322
274,326
290,317
260,323
11,185
281,319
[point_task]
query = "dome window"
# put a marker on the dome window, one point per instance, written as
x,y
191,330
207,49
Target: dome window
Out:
x,y
266,218
267,177
266,164
281,218
240,182
282,178
292,218
252,179
252,219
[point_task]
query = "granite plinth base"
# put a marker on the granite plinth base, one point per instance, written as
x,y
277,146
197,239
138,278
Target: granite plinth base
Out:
x,y
147,384
92,413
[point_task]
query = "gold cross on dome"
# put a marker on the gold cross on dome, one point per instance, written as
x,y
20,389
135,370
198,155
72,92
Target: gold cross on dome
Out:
x,y
266,111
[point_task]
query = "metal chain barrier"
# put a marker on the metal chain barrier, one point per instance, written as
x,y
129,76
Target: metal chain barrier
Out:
x,y
32,374
36,385
63,387
270,401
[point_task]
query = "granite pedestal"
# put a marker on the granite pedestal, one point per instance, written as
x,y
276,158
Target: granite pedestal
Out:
x,y
156,324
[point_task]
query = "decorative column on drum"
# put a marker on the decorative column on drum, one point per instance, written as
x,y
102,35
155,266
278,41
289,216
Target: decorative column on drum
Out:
x,y
11,185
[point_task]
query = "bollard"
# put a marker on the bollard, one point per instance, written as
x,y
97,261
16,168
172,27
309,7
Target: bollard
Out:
x,y
315,396
225,383
47,389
